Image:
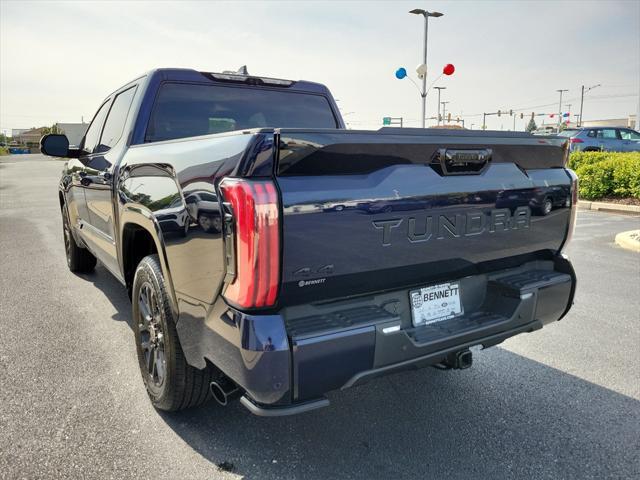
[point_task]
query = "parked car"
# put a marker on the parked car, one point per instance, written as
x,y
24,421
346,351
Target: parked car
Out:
x,y
291,300
204,209
595,139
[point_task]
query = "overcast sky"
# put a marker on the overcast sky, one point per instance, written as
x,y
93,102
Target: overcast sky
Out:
x,y
58,60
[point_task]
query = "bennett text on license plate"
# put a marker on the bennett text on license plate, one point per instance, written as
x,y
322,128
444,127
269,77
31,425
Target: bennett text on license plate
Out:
x,y
435,303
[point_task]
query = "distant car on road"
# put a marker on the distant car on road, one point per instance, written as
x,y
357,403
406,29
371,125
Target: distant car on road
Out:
x,y
595,139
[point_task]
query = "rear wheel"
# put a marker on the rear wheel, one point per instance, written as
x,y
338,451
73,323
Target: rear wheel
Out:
x,y
79,259
171,383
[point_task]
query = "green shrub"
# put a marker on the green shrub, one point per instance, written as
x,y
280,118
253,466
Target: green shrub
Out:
x,y
626,178
577,159
607,174
4,151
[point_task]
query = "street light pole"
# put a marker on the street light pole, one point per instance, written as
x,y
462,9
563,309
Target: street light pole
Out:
x,y
439,88
582,100
560,107
423,93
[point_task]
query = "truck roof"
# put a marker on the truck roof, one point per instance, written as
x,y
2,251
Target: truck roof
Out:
x,y
188,74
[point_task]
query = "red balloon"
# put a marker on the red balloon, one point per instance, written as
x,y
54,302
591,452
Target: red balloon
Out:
x,y
448,69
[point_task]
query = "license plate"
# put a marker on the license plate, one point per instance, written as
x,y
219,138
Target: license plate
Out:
x,y
435,303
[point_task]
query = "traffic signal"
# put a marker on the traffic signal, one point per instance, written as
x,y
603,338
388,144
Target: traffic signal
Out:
x,y
449,117
499,112
532,115
511,113
521,115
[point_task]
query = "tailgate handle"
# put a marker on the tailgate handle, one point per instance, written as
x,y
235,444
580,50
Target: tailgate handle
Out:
x,y
463,161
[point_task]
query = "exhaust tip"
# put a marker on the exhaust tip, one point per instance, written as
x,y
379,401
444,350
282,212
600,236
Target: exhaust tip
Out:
x,y
223,391
465,359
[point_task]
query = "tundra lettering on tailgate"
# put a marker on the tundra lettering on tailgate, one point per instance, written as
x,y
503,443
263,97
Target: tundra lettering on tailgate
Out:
x,y
425,227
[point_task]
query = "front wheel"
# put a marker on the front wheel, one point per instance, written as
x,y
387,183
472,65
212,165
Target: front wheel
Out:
x,y
79,259
171,383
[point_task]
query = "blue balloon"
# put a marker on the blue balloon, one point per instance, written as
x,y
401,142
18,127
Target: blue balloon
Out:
x,y
401,73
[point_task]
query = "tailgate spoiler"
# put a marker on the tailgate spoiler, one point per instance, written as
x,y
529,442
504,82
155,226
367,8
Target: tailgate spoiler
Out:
x,y
352,152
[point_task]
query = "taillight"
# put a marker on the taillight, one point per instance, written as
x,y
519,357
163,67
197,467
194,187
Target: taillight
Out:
x,y
255,233
576,140
574,208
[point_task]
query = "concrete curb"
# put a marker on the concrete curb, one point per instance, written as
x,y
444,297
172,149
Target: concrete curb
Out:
x,y
609,207
629,240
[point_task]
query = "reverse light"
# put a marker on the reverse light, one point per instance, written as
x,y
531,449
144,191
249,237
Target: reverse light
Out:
x,y
255,235
576,140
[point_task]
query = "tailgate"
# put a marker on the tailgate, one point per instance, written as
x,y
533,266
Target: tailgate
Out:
x,y
365,212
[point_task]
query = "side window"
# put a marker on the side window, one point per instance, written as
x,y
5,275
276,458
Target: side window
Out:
x,y
608,133
93,132
592,134
629,135
114,125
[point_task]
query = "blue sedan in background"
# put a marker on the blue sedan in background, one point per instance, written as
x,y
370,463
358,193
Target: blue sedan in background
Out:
x,y
595,139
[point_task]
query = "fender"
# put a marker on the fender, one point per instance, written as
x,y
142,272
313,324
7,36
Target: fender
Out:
x,y
144,218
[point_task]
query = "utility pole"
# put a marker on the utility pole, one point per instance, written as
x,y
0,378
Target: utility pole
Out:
x,y
582,100
439,88
569,112
560,107
484,121
444,110
423,93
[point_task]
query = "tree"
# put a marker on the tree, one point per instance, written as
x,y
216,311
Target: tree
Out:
x,y
531,126
52,129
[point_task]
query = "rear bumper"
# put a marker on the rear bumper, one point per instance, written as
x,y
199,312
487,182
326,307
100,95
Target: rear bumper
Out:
x,y
311,350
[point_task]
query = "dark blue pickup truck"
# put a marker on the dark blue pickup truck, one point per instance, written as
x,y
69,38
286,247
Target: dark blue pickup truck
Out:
x,y
273,255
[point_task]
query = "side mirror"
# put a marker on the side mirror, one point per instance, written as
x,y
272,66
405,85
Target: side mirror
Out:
x,y
55,145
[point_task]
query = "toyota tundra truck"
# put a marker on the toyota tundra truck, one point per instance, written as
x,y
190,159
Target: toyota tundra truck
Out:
x,y
274,256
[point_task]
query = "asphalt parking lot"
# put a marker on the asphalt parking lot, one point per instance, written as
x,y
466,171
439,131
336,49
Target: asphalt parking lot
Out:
x,y
561,403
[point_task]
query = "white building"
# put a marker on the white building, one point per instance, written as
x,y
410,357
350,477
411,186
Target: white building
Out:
x,y
73,131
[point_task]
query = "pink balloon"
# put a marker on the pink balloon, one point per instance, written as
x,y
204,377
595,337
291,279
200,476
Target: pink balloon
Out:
x,y
448,69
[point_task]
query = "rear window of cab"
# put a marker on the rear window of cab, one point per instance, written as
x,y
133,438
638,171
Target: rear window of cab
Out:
x,y
188,110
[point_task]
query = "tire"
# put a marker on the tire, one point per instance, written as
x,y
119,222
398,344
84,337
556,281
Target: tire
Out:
x,y
546,207
171,383
79,260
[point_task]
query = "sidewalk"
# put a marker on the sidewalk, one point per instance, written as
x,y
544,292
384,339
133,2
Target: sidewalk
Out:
x,y
609,207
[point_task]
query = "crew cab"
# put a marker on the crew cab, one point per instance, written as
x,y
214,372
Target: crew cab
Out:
x,y
273,255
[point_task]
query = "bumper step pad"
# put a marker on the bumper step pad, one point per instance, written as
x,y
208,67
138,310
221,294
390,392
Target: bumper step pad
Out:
x,y
524,282
455,326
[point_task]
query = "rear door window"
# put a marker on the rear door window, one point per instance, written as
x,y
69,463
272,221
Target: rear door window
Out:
x,y
608,134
